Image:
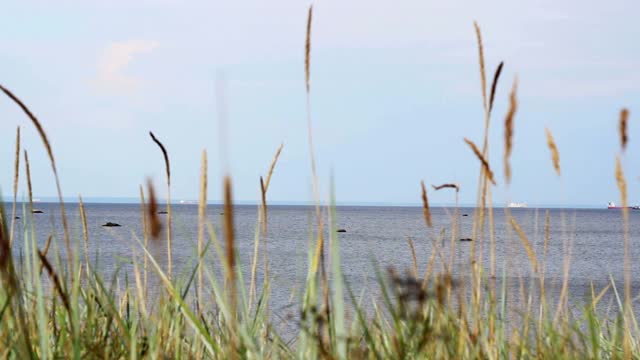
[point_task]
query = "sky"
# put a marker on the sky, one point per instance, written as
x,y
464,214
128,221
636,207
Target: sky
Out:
x,y
395,88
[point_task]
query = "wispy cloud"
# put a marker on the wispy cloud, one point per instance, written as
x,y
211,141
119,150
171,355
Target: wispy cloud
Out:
x,y
113,63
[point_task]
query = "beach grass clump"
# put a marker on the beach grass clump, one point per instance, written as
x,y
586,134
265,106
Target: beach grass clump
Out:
x,y
50,308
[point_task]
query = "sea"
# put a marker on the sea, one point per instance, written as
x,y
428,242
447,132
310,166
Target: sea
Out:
x,y
585,246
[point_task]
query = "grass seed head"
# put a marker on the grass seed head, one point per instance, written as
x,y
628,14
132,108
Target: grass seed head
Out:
x,y
622,127
155,226
425,206
555,155
483,161
508,130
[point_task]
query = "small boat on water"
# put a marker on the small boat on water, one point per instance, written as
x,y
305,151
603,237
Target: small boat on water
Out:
x,y
612,205
517,205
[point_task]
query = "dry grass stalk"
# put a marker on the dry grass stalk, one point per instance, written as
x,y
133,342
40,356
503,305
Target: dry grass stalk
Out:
x,y
263,197
56,282
16,177
545,251
47,244
622,187
202,213
508,130
425,206
307,50
145,235
167,166
47,145
494,85
155,227
5,247
320,241
307,64
139,285
264,187
446,186
10,280
547,233
35,121
229,237
262,219
527,245
165,154
262,214
28,174
621,182
483,78
555,155
272,167
622,127
413,257
85,233
485,163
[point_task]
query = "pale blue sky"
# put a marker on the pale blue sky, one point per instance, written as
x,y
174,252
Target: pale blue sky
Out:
x,y
395,88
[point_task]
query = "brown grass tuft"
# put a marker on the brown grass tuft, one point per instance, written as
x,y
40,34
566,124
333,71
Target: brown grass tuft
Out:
x,y
622,127
307,50
152,213
483,78
485,163
425,205
508,130
446,186
555,155
494,84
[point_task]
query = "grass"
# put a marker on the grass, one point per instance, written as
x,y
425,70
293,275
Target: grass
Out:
x,y
55,309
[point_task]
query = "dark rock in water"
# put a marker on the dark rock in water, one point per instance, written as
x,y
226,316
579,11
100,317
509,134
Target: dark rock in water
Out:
x,y
341,230
465,214
36,211
110,224
162,212
466,239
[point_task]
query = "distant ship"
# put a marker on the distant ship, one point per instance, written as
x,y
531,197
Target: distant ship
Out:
x,y
612,205
517,205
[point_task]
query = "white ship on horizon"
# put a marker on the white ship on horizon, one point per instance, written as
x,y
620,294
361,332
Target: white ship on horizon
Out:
x,y
517,205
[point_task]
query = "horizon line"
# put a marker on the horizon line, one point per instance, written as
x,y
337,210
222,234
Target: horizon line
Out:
x,y
133,200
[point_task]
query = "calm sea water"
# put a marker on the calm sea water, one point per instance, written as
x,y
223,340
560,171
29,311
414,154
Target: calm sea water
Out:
x,y
375,236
